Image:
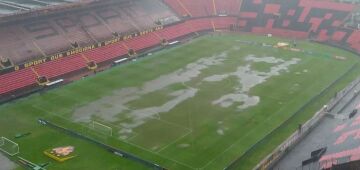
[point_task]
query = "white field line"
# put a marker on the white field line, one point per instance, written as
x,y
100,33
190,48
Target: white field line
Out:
x,y
73,97
122,127
132,137
274,98
136,134
173,142
158,117
243,136
155,153
163,148
36,106
117,126
174,124
68,119
127,142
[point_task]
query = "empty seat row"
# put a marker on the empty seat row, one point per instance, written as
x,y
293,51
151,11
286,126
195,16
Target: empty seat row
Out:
x,y
54,69
200,8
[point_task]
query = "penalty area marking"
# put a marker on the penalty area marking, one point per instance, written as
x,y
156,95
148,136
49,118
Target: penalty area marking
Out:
x,y
52,113
155,153
126,141
173,142
99,124
173,124
15,146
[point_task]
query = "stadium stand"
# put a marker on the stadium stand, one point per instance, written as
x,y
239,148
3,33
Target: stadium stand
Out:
x,y
348,1
323,21
16,80
17,7
56,68
143,42
119,29
31,38
205,7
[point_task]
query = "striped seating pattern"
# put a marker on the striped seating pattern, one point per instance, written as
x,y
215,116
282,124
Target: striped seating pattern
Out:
x,y
55,69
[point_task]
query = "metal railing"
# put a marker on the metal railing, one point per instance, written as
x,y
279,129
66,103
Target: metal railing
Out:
x,y
282,149
269,161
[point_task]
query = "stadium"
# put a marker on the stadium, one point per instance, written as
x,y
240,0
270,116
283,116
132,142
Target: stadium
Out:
x,y
179,84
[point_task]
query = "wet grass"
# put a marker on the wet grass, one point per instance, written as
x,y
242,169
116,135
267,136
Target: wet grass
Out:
x,y
195,122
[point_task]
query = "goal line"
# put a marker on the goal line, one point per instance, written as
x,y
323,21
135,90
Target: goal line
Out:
x,y
101,128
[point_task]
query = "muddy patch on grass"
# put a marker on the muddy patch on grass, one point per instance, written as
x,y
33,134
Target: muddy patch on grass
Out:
x,y
5,163
248,79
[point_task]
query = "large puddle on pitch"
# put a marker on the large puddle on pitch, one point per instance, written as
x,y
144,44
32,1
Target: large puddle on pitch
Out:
x,y
5,163
248,79
111,108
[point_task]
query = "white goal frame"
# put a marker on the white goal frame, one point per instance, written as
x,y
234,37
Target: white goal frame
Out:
x,y
98,124
2,143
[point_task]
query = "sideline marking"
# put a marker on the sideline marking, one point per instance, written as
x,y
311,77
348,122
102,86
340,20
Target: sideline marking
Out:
x,y
173,142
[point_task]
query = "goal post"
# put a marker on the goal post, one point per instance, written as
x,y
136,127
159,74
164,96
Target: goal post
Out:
x,y
101,128
8,146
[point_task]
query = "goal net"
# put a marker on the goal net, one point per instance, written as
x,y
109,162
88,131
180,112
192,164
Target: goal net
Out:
x,y
8,146
101,128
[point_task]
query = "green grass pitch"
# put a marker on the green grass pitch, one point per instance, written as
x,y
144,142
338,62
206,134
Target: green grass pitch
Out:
x,y
196,106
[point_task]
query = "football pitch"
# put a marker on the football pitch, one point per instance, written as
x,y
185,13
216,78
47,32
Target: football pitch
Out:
x,y
200,105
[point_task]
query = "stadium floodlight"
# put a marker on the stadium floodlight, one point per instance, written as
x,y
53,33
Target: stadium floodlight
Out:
x,y
8,146
101,128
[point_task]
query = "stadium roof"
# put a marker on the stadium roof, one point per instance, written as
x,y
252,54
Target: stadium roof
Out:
x,y
9,7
